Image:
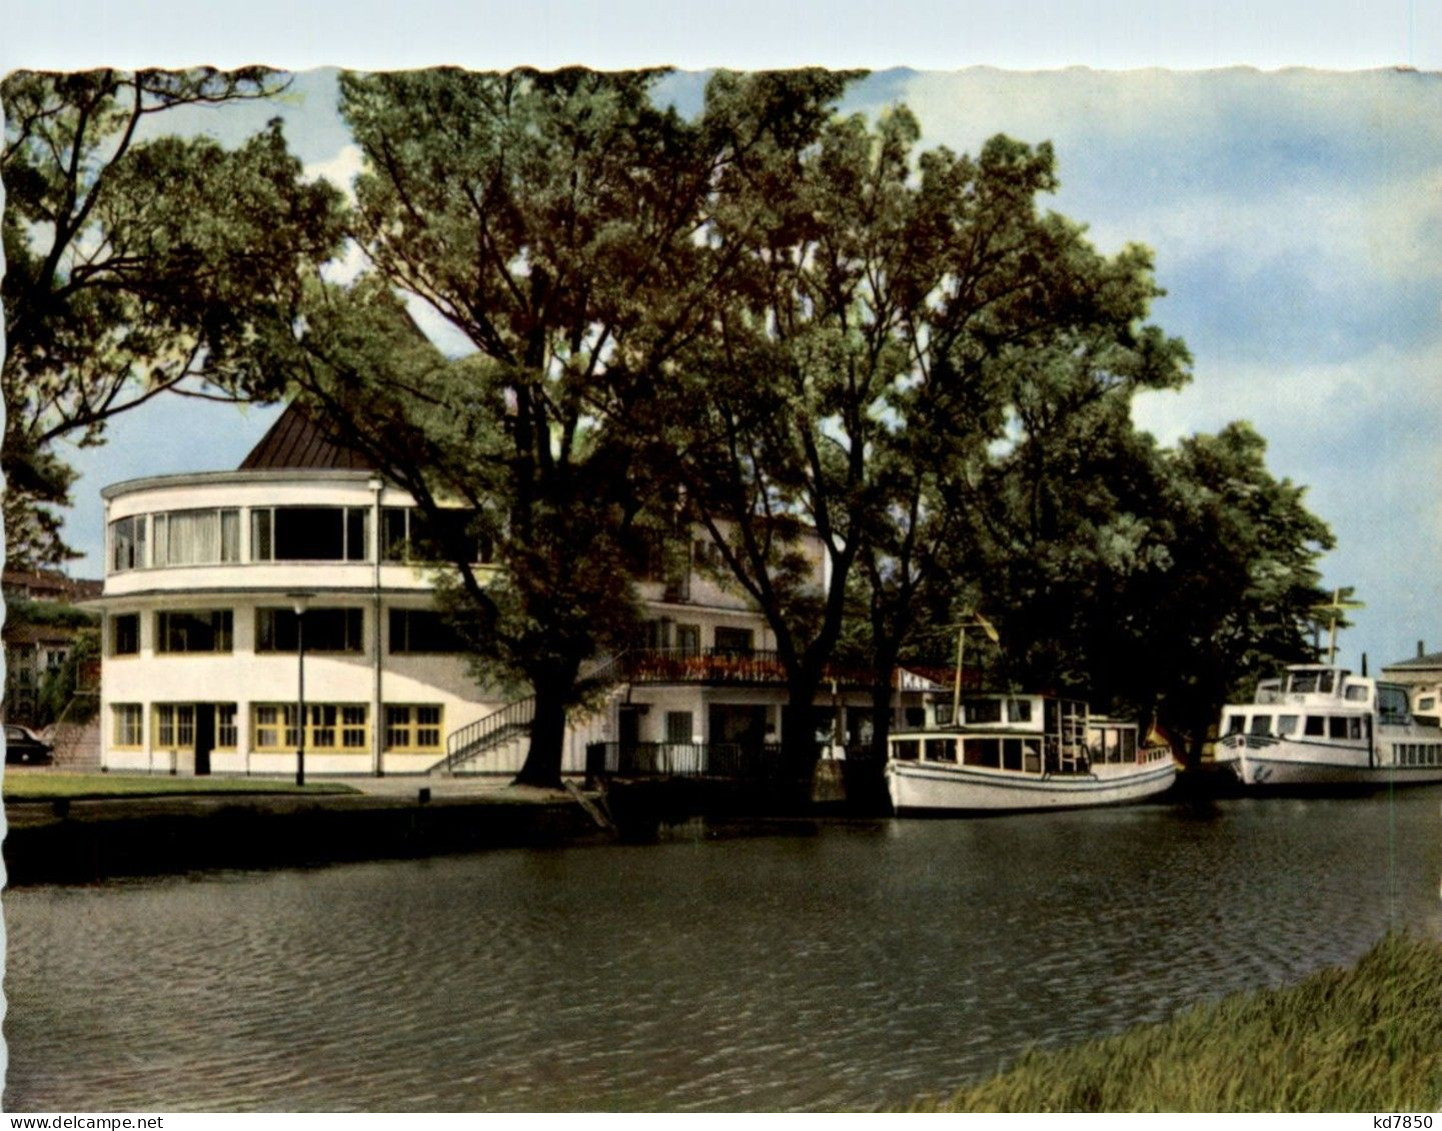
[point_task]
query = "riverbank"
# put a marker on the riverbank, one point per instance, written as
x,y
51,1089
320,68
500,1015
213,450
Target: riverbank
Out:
x,y
1364,1039
86,828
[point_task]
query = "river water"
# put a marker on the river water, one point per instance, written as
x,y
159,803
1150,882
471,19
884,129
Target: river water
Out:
x,y
809,966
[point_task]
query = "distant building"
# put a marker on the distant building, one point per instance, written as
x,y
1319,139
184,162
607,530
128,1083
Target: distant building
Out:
x,y
201,667
1422,676
37,646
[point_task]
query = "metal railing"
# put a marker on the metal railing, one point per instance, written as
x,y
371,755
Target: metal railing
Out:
x,y
488,733
495,730
731,760
718,666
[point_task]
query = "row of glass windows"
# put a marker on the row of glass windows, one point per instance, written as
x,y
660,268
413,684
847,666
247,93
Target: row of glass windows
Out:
x,y
328,727
287,534
1312,726
278,630
1418,753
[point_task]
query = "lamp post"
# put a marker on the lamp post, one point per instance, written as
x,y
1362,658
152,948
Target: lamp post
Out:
x,y
299,601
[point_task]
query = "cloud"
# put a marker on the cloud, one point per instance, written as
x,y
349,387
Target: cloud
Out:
x,y
340,170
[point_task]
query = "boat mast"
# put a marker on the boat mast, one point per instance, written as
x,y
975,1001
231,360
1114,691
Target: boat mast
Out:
x,y
976,621
1341,601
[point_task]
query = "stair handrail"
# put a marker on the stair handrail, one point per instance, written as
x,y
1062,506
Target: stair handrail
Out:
x,y
477,737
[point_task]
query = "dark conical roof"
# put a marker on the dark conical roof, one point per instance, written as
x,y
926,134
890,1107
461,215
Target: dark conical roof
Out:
x,y
296,441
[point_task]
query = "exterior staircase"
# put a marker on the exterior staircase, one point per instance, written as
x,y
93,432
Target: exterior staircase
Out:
x,y
496,743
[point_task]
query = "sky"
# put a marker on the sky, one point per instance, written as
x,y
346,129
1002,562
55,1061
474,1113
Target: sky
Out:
x,y
1294,212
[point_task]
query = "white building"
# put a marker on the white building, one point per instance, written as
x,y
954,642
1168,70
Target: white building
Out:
x,y
202,666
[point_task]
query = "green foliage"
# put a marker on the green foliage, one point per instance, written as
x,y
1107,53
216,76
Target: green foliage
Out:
x,y
1364,1039
134,267
552,219
64,693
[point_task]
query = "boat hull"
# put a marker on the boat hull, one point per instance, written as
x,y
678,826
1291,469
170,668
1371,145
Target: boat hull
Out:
x,y
928,787
1284,764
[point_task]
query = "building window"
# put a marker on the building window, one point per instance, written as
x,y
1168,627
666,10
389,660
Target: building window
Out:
x,y
226,736
329,727
688,639
174,726
309,534
127,543
125,634
200,537
735,641
413,727
407,535
198,630
679,726
326,630
129,721
422,630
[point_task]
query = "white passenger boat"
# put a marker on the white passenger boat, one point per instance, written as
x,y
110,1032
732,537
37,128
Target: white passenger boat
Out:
x,y
1018,752
1321,726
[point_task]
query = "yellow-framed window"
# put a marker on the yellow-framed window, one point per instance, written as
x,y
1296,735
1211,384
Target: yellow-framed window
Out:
x,y
129,725
174,726
328,727
226,732
413,726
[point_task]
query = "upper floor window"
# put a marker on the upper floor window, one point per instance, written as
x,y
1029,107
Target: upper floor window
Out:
x,y
309,534
326,630
127,543
422,630
199,537
125,634
407,535
194,630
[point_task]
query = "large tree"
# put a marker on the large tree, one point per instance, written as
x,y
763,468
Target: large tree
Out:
x,y
557,221
865,358
135,264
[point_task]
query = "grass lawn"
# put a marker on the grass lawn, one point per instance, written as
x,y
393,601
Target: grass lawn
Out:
x,y
47,787
1364,1039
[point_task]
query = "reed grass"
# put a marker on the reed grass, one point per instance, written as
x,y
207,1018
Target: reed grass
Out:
x,y
1367,1038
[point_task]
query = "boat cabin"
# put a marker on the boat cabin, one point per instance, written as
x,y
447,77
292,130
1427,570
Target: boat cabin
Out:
x,y
1026,733
1318,701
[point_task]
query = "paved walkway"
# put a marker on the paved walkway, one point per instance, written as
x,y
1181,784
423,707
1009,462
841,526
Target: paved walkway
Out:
x,y
409,785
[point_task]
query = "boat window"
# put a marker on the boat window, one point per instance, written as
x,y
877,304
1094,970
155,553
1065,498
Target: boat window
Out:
x,y
983,710
1236,724
1287,724
1391,703
1324,681
1316,726
905,749
1354,727
1337,727
941,750
1129,745
1011,754
1018,710
1427,703
1303,682
1356,692
1261,724
1031,758
914,716
983,752
943,714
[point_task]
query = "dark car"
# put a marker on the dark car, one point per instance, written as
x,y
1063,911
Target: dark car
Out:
x,y
24,746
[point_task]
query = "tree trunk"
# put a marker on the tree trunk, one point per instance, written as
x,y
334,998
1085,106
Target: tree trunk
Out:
x,y
548,735
798,726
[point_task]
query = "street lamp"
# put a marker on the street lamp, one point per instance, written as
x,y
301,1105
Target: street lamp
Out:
x,y
298,602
